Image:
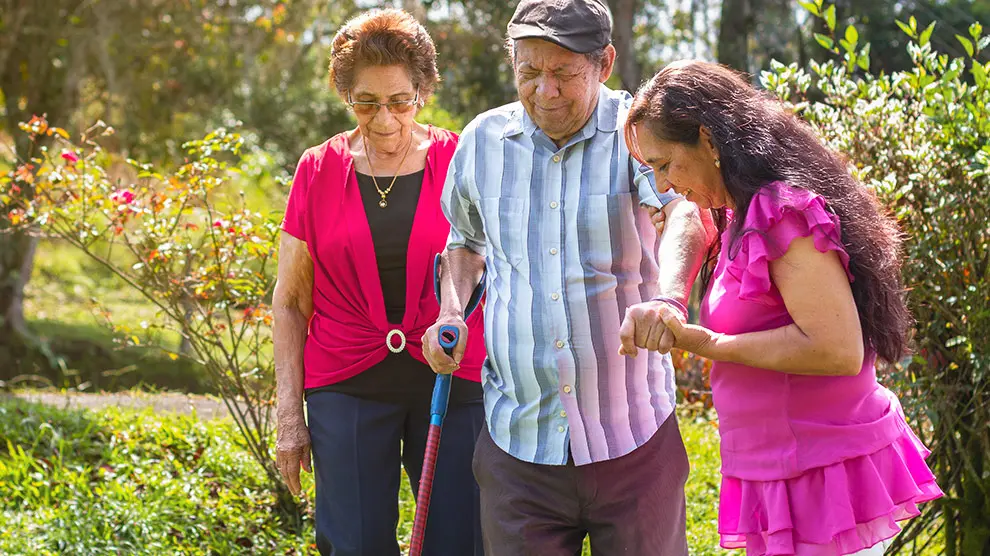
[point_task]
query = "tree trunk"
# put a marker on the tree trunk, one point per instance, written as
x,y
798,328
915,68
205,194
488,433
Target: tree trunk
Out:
x,y
733,34
623,14
16,262
17,344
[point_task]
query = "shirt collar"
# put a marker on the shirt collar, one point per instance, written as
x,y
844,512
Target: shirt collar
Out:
x,y
605,117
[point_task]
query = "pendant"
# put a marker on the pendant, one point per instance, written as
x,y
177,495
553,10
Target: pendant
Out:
x,y
383,203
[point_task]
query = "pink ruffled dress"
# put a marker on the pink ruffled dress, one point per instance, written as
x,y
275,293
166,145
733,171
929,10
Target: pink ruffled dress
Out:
x,y
811,465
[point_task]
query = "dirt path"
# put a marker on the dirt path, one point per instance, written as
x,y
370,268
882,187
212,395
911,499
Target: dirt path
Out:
x,y
205,407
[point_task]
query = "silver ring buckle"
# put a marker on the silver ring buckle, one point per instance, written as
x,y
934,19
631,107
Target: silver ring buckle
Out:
x,y
402,340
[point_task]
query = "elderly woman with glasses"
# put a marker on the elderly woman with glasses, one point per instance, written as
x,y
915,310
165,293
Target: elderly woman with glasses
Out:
x,y
354,297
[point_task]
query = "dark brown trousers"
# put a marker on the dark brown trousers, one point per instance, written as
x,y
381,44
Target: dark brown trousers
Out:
x,y
632,505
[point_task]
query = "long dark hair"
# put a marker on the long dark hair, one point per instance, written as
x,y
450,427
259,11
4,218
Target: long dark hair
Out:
x,y
759,141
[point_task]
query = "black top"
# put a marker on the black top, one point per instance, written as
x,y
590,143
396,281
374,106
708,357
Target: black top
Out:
x,y
399,378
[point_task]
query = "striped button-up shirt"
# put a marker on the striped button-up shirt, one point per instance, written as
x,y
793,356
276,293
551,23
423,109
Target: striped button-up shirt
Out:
x,y
567,250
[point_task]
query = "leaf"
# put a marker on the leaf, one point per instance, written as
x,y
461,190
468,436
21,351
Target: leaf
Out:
x,y
826,42
975,30
173,356
61,132
863,62
914,24
926,35
810,7
904,27
830,17
979,74
967,44
852,35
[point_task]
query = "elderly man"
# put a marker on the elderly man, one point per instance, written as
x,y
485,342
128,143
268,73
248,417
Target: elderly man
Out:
x,y
580,439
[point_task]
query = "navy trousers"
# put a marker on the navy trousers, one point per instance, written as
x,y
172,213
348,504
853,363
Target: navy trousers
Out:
x,y
358,445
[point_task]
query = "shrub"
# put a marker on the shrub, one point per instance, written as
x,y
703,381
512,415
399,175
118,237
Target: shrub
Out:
x,y
921,140
181,239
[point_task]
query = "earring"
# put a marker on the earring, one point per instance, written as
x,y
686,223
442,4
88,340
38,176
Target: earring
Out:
x,y
718,163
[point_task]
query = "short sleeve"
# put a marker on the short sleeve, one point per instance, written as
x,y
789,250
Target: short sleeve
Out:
x,y
777,215
646,185
294,222
457,201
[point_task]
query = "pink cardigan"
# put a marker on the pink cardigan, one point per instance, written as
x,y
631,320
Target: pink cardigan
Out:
x,y
348,329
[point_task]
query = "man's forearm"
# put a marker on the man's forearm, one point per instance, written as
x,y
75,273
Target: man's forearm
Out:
x,y
461,270
682,249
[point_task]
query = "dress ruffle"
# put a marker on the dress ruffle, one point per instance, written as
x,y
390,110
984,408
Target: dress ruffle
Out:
x,y
775,217
829,511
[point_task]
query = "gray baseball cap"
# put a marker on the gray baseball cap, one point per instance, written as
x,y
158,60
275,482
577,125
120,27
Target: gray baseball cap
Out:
x,y
580,26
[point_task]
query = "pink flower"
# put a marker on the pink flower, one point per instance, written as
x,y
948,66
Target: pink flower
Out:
x,y
70,156
122,197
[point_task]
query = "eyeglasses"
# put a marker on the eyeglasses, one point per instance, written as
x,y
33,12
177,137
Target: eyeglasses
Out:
x,y
371,108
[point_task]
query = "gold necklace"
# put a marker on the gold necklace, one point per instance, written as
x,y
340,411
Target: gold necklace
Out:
x,y
384,203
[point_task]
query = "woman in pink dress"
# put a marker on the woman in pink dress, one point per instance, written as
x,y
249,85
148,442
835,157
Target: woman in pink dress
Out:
x,y
804,296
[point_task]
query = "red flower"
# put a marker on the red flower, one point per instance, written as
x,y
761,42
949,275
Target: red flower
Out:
x,y
122,197
70,156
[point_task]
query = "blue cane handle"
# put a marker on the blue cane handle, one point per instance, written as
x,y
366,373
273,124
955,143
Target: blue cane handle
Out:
x,y
447,337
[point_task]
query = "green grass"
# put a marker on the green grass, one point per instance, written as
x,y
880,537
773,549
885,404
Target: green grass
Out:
x,y
701,440
120,481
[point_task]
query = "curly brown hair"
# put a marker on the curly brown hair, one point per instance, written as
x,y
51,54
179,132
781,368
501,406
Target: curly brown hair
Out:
x,y
759,141
389,37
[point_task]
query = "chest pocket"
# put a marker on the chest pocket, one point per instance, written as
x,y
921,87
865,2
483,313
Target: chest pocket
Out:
x,y
506,221
603,224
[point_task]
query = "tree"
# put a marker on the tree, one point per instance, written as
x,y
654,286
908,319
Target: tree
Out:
x,y
159,71
41,67
734,33
627,63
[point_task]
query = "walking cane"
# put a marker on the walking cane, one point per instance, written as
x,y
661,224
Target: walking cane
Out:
x,y
448,337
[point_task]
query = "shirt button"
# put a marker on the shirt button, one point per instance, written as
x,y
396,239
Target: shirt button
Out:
x,y
555,296
563,413
556,158
553,204
560,343
553,250
560,428
567,389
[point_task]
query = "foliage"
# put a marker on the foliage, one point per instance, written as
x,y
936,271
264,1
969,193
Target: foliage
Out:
x,y
919,138
76,482
183,241
692,374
